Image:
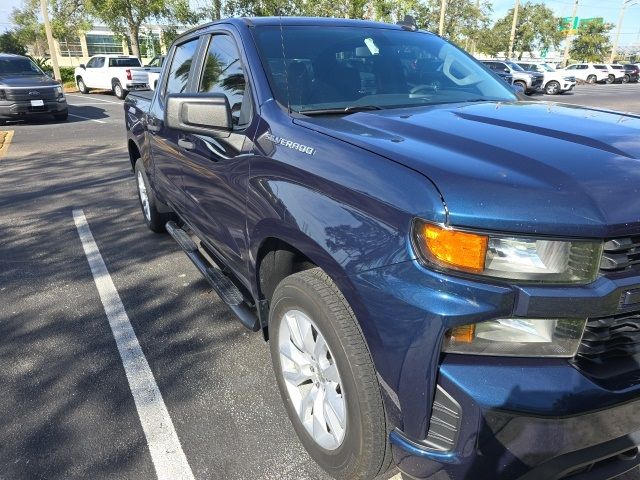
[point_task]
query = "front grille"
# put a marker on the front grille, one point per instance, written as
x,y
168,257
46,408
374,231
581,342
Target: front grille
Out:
x,y
610,349
22,94
621,254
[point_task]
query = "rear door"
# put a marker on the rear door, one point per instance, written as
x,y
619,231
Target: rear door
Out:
x,y
167,155
216,168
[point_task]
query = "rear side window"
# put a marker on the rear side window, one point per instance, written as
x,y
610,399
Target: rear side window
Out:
x,y
178,76
223,73
124,62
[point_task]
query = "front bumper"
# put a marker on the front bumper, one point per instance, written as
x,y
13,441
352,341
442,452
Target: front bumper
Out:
x,y
518,414
13,108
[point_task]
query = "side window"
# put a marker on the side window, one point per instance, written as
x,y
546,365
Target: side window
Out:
x,y
178,76
99,62
583,67
91,63
223,73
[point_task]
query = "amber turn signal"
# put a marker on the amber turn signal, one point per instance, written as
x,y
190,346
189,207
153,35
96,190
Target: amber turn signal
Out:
x,y
463,333
454,249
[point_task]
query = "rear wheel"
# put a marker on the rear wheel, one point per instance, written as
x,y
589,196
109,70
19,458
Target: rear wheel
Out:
x,y
552,88
626,79
153,217
610,79
326,377
592,79
118,90
82,86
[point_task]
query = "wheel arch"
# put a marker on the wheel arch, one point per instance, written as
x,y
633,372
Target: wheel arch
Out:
x,y
282,251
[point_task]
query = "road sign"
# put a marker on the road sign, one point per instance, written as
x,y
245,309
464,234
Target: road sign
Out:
x,y
569,25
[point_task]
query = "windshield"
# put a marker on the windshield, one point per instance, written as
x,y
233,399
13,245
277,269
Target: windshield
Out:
x,y
337,68
124,62
515,66
18,66
547,68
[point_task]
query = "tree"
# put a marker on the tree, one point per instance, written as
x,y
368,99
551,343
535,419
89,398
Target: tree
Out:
x,y
592,42
9,43
28,29
68,19
124,17
537,28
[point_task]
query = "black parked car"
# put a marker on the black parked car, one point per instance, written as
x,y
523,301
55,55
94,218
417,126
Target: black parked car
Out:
x,y
631,73
25,90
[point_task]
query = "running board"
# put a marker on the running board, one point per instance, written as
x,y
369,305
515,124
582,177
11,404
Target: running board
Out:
x,y
223,286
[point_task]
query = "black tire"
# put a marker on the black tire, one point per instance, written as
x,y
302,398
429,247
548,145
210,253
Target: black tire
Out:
x,y
118,90
155,219
522,84
61,117
552,88
592,79
82,86
610,79
626,79
364,452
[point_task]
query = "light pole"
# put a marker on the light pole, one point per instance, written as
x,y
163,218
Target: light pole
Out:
x,y
625,4
52,47
513,28
443,7
567,43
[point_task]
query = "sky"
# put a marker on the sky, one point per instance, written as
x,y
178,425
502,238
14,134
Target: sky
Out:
x,y
609,9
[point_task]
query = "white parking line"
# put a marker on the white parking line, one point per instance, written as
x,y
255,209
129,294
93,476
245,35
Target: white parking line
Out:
x,y
82,104
86,118
93,98
166,452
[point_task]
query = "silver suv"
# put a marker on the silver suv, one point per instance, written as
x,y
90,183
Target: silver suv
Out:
x,y
529,81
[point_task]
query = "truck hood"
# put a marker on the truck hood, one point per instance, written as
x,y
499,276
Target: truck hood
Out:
x,y
528,167
24,81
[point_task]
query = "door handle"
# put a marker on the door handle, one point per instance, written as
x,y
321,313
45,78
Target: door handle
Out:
x,y
186,144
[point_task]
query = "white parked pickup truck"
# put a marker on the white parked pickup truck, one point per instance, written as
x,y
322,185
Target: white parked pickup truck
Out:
x,y
117,73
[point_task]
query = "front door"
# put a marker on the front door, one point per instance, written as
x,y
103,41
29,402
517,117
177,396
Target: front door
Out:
x,y
216,168
167,154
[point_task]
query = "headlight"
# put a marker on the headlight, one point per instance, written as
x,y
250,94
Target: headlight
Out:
x,y
59,91
569,79
521,337
508,257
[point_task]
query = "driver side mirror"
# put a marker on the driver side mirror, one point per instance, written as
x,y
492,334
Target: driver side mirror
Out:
x,y
506,70
198,113
83,66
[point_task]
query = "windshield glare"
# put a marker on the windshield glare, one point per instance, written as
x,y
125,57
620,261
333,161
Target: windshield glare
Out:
x,y
18,66
347,67
515,67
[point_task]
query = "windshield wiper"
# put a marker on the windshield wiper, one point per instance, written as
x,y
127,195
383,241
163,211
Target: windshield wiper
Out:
x,y
338,111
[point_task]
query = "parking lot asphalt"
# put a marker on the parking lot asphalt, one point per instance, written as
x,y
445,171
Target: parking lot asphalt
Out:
x,y
67,406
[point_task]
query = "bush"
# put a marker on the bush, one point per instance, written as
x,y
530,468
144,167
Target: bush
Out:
x,y
67,74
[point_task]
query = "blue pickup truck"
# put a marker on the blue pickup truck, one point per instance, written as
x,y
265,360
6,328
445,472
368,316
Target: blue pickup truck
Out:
x,y
448,276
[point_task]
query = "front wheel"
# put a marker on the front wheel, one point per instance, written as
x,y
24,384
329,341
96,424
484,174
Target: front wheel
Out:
x,y
626,79
326,377
119,91
592,79
153,217
610,79
82,86
522,85
61,117
552,88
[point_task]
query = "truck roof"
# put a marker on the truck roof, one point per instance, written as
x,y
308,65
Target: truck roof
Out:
x,y
294,21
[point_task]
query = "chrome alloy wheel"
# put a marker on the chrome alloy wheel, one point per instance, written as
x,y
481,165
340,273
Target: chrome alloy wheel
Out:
x,y
144,198
312,379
